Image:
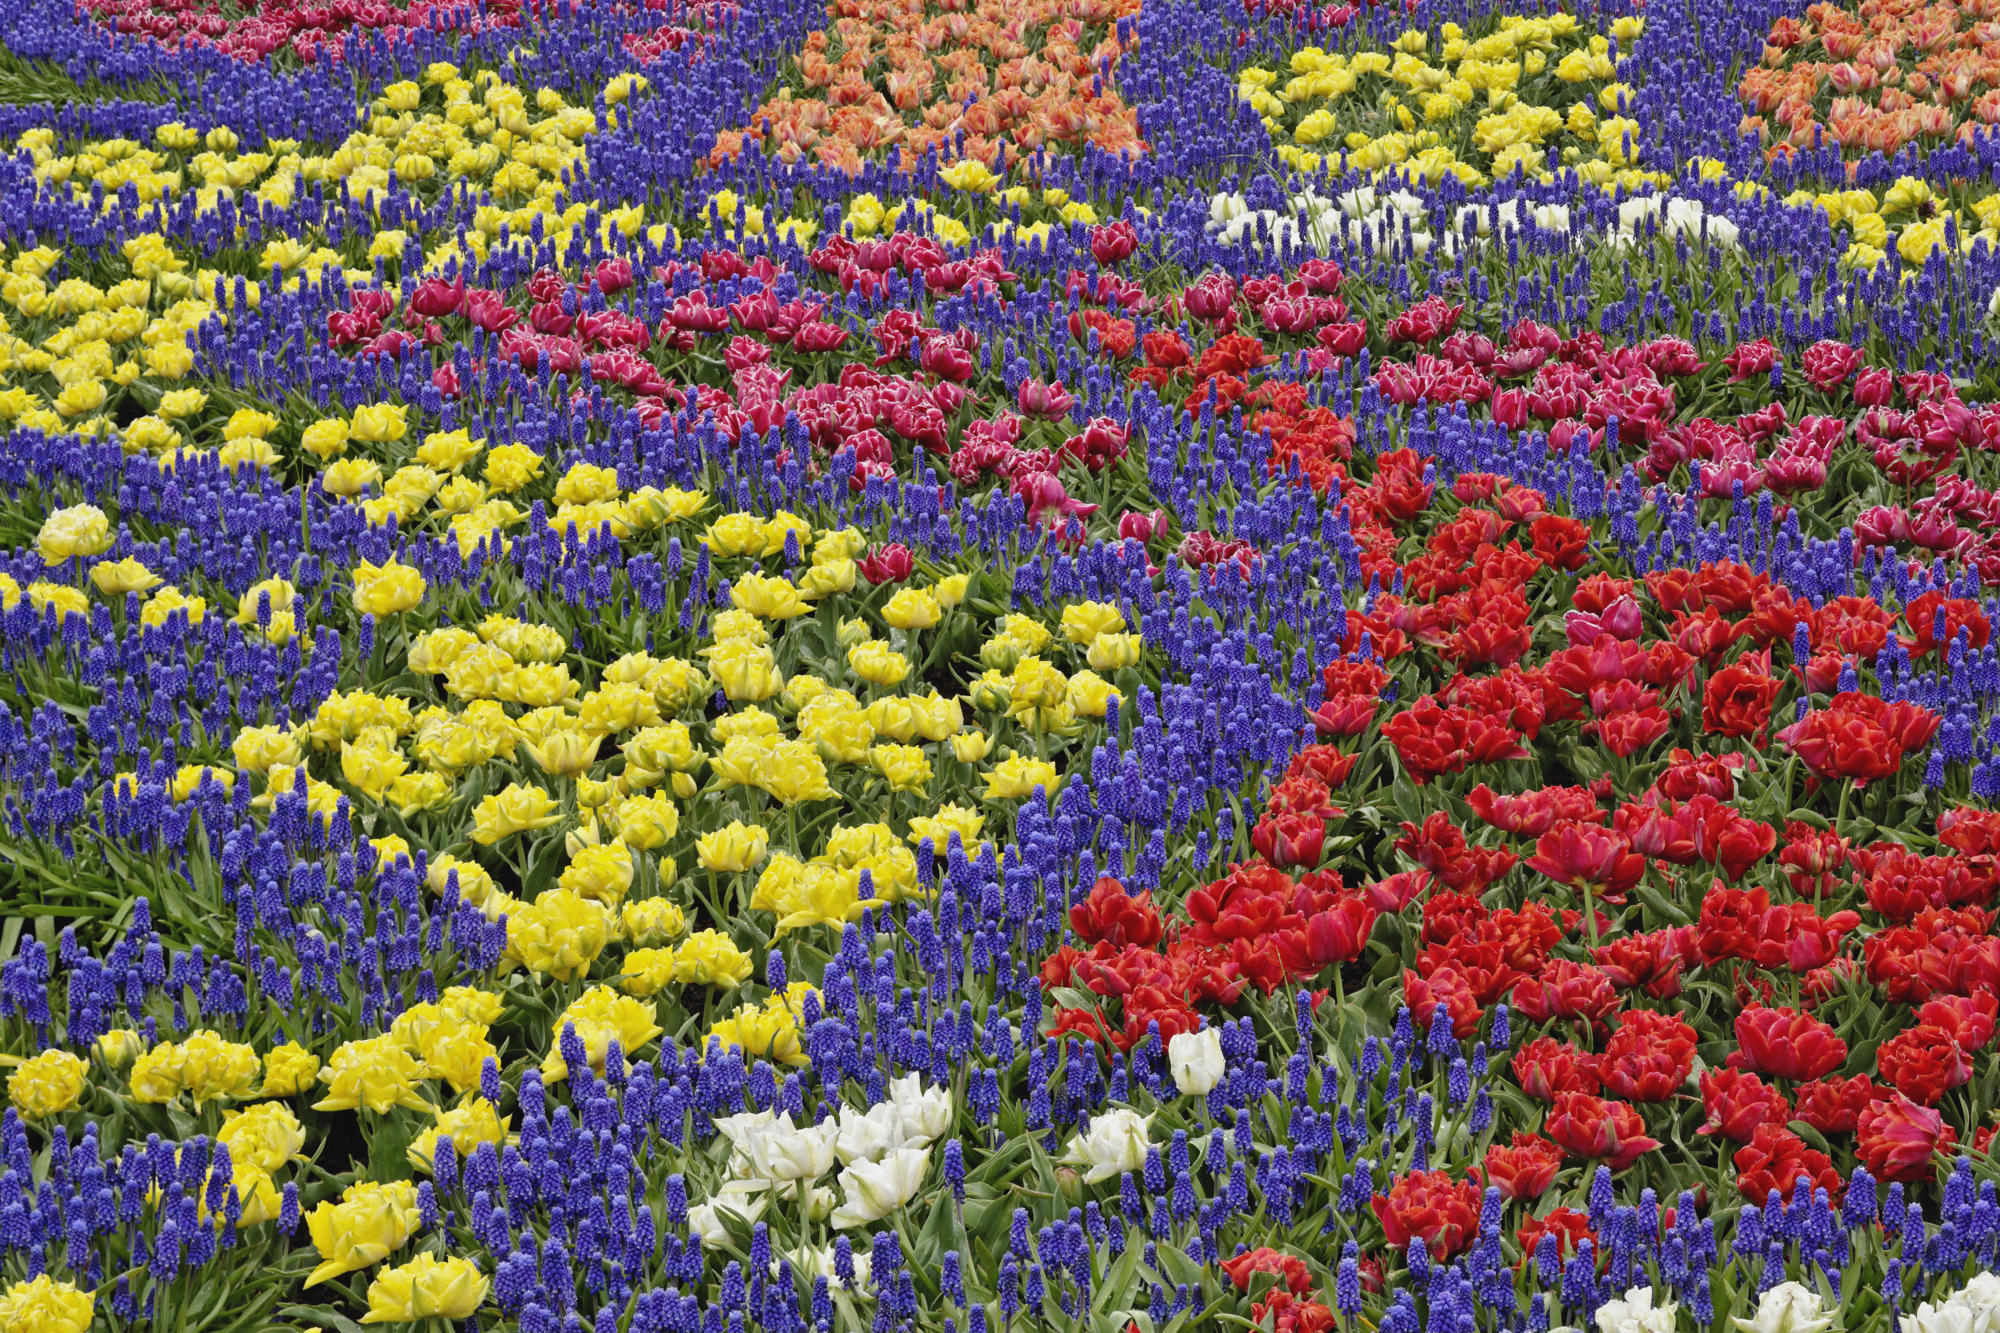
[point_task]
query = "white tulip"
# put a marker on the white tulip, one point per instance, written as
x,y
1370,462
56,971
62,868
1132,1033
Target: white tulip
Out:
x,y
1196,1061
740,1129
745,1199
869,1136
1633,213
1947,1316
926,1112
1789,1307
873,1190
1410,205
1357,202
1982,1293
1689,218
1552,217
1114,1143
1635,1313
817,1261
1973,1308
782,1152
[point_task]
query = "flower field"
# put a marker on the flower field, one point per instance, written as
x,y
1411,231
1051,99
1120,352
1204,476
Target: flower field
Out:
x,y
1124,666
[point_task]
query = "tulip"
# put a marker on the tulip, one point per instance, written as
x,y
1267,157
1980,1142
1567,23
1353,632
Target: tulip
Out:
x,y
367,1224
1634,1312
1591,1127
45,1305
781,1152
873,1190
1787,1043
78,530
262,1137
1112,1144
1195,1059
887,564
47,1085
427,1287
1789,1307
1048,402
1431,1206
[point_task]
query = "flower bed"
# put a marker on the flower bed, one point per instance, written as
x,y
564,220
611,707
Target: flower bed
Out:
x,y
750,667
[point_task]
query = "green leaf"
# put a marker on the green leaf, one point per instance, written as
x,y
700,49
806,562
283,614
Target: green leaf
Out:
x,y
319,1316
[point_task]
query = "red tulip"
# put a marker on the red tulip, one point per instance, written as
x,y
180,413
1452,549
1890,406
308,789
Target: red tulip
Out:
x,y
1923,1063
1524,1168
1581,854
1113,242
1290,839
1786,1043
1045,401
887,564
1897,1139
1737,699
435,297
1738,1102
1834,1105
1212,298
1547,1068
1777,1159
1648,1058
1240,1268
1430,1205
1591,1127
1112,916
1339,934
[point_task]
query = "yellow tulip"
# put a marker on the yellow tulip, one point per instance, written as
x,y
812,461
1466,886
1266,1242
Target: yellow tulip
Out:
x,y
511,467
380,423
44,1305
382,590
117,577
603,873
768,597
47,1085
600,1017
376,1073
289,1070
734,847
513,809
565,753
325,439
78,530
905,767
119,1047
262,1137
1018,776
1111,652
949,820
912,608
560,933
467,1126
370,1222
653,920
877,663
156,1074
795,773
746,672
